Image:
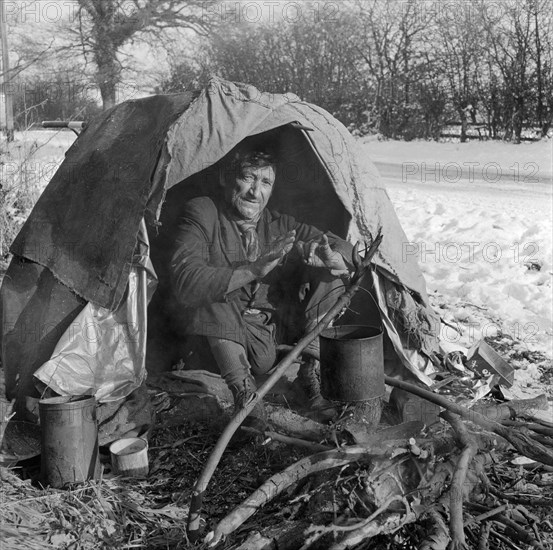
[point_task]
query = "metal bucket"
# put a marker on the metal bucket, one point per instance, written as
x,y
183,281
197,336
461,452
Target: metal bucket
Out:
x,y
352,363
69,440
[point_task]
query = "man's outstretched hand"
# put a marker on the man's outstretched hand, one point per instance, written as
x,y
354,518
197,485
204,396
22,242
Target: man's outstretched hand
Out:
x,y
318,253
247,273
269,260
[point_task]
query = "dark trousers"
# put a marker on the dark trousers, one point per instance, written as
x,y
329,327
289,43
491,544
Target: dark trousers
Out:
x,y
264,331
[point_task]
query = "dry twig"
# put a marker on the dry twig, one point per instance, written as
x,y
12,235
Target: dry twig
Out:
x,y
296,441
483,539
470,448
523,499
517,532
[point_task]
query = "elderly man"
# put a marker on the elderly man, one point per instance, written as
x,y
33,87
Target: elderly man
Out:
x,y
239,272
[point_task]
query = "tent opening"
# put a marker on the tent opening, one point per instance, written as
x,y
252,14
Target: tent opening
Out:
x,y
302,189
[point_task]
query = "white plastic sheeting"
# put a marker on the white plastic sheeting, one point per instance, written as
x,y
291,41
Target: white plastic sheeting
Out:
x,y
103,352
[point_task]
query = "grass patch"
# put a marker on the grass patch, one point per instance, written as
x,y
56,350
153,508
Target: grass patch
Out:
x,y
26,166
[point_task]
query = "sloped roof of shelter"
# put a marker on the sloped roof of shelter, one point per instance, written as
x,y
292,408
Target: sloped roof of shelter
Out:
x,y
85,224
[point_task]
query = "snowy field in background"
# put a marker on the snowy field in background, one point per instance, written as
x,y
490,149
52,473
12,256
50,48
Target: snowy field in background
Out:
x,y
478,216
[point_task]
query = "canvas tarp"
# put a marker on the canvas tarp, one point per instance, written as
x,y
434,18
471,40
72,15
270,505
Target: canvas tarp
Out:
x,y
85,224
81,236
225,113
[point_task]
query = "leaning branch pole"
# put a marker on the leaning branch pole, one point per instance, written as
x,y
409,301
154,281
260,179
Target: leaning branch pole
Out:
x,y
362,266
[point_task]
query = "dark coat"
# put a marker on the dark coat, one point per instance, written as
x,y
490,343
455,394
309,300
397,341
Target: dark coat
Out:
x,y
208,246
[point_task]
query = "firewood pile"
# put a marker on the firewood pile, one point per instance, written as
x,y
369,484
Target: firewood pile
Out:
x,y
456,484
305,485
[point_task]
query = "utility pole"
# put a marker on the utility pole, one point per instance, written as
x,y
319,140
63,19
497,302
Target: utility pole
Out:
x,y
5,80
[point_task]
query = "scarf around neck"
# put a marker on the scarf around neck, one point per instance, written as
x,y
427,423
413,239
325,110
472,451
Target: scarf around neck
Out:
x,y
248,231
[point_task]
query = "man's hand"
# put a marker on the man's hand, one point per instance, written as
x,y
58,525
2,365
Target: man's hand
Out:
x,y
269,260
318,253
245,274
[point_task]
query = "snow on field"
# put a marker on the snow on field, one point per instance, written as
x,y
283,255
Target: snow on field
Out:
x,y
484,243
529,162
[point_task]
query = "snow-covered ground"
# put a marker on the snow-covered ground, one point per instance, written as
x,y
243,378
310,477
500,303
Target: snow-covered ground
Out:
x,y
479,218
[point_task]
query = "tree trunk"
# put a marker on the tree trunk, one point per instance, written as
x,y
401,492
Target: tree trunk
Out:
x,y
517,119
539,71
108,75
107,91
463,115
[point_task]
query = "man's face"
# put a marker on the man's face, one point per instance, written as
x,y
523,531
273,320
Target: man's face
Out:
x,y
249,193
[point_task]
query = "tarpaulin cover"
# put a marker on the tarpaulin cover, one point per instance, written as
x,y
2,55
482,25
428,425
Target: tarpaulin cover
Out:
x,y
225,113
84,225
77,245
105,355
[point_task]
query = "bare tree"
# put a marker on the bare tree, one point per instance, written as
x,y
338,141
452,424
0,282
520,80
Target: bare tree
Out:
x,y
509,37
104,27
542,21
317,60
399,68
394,61
457,46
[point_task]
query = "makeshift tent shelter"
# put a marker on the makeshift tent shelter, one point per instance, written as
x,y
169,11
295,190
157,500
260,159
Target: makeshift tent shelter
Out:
x,y
82,245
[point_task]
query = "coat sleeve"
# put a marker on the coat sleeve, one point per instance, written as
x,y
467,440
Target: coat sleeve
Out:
x,y
195,280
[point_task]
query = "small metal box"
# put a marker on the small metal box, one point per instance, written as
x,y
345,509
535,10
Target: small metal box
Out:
x,y
484,360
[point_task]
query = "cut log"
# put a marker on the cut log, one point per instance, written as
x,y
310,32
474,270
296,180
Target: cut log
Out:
x,y
290,423
512,409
